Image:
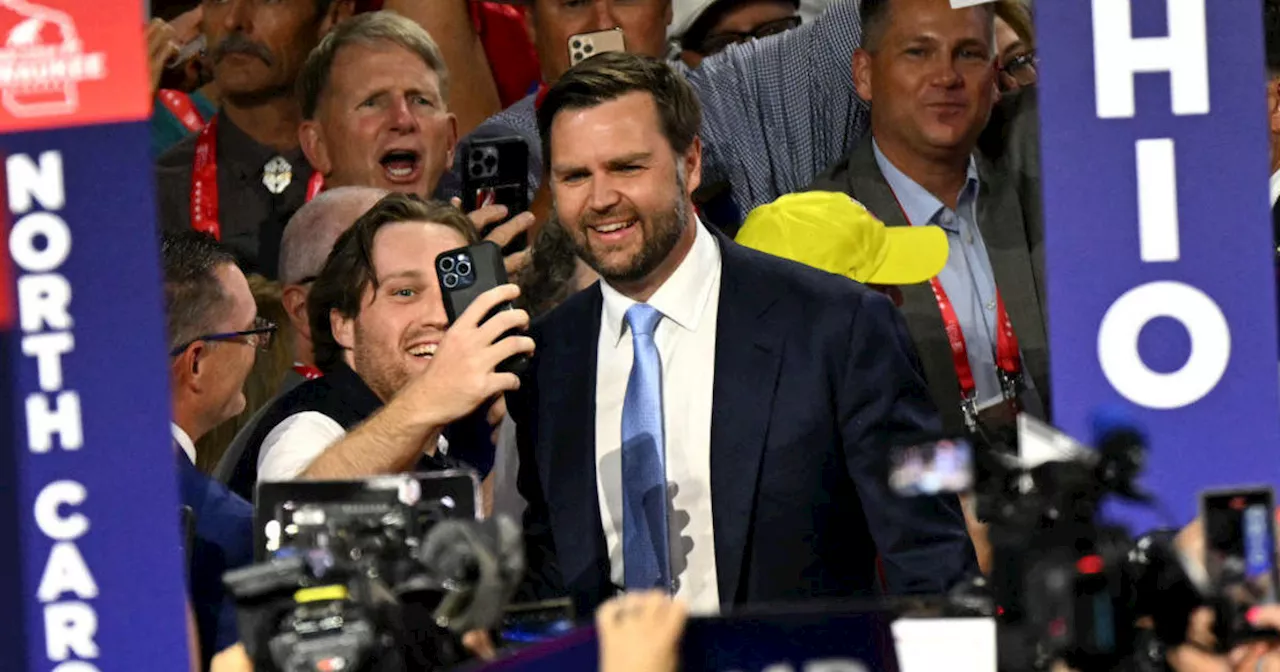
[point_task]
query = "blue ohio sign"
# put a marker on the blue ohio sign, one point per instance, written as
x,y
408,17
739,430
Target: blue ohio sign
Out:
x,y
1161,280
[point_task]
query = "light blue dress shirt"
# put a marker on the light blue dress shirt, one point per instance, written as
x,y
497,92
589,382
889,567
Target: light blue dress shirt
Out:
x,y
967,278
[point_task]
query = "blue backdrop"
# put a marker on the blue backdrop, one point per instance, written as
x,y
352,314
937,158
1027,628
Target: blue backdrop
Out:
x,y
125,462
1161,288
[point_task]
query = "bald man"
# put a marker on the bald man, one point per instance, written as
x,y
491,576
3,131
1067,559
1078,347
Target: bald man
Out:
x,y
308,238
307,241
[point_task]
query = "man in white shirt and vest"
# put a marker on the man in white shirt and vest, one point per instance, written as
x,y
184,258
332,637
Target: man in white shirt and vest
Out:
x,y
401,386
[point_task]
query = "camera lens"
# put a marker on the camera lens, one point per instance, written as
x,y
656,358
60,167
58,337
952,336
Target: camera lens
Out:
x,y
464,268
577,44
450,280
446,264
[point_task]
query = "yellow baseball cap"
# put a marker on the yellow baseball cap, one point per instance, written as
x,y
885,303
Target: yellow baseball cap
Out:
x,y
835,233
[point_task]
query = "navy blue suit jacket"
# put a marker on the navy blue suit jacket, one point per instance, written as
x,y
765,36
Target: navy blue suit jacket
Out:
x,y
223,541
815,379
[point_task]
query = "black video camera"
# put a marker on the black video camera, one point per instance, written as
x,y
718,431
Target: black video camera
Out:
x,y
365,586
1064,583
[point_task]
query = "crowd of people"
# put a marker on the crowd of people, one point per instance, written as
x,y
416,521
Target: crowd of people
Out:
x,y
701,414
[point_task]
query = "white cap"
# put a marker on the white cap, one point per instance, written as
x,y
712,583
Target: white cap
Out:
x,y
684,13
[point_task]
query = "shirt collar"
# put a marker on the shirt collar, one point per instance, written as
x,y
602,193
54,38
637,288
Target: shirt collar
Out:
x,y
920,206
682,298
1275,188
184,441
249,158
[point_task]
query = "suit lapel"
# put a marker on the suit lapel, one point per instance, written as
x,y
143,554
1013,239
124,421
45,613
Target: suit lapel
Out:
x,y
747,361
569,407
919,307
1005,235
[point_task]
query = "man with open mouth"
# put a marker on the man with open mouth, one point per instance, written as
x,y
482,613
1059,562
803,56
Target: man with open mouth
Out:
x,y
376,113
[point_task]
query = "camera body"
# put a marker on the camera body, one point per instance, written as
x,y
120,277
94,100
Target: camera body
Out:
x,y
1065,584
374,587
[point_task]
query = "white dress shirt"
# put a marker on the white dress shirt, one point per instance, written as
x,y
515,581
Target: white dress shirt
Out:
x,y
686,338
291,446
184,441
1275,188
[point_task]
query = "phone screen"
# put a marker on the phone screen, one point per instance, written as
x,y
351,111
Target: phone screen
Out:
x,y
931,468
525,624
1240,548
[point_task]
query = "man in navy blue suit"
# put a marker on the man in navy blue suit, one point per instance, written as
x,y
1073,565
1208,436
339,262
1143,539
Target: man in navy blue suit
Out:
x,y
213,331
708,419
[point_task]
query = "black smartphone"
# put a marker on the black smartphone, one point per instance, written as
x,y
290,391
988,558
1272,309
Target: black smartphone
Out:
x,y
496,172
1240,556
468,272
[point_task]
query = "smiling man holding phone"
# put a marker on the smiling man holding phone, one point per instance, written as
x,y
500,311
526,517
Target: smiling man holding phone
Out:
x,y
401,384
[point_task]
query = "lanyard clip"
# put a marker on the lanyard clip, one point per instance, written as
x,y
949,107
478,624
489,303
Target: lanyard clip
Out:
x,y
1010,383
969,407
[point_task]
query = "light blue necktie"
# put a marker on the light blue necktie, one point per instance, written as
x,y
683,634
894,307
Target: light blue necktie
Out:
x,y
644,476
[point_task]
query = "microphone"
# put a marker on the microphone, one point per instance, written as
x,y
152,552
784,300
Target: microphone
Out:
x,y
1122,450
479,566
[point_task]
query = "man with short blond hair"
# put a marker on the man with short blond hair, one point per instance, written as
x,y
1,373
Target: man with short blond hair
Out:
x,y
375,106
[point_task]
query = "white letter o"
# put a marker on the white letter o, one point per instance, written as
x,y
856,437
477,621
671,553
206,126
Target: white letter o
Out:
x,y
1122,363
57,242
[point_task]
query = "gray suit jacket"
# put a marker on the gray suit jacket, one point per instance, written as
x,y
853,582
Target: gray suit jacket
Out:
x,y
1015,244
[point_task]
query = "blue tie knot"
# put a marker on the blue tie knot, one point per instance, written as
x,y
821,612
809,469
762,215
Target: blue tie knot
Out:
x,y
642,319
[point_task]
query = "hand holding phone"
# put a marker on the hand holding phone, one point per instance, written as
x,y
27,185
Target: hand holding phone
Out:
x,y
496,172
463,374
466,274
1240,557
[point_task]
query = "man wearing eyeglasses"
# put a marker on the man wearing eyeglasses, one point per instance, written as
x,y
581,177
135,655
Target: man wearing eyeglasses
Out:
x,y
306,243
214,332
703,28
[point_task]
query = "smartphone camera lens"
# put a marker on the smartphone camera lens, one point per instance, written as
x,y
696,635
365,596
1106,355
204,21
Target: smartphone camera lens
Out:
x,y
446,264
464,268
587,49
450,280
577,44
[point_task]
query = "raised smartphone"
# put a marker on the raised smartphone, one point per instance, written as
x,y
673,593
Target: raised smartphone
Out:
x,y
468,272
496,172
585,45
1240,555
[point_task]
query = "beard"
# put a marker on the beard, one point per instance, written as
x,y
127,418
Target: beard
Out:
x,y
382,369
660,237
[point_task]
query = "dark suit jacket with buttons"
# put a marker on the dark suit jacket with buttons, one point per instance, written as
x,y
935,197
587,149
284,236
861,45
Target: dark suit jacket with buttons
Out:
x,y
1015,245
222,541
815,379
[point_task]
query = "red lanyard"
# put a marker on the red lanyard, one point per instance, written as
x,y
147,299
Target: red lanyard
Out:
x,y
204,183
308,372
1008,357
180,106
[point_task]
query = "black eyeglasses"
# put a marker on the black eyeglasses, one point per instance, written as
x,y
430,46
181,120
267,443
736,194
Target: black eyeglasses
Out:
x,y
1021,70
259,336
714,44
